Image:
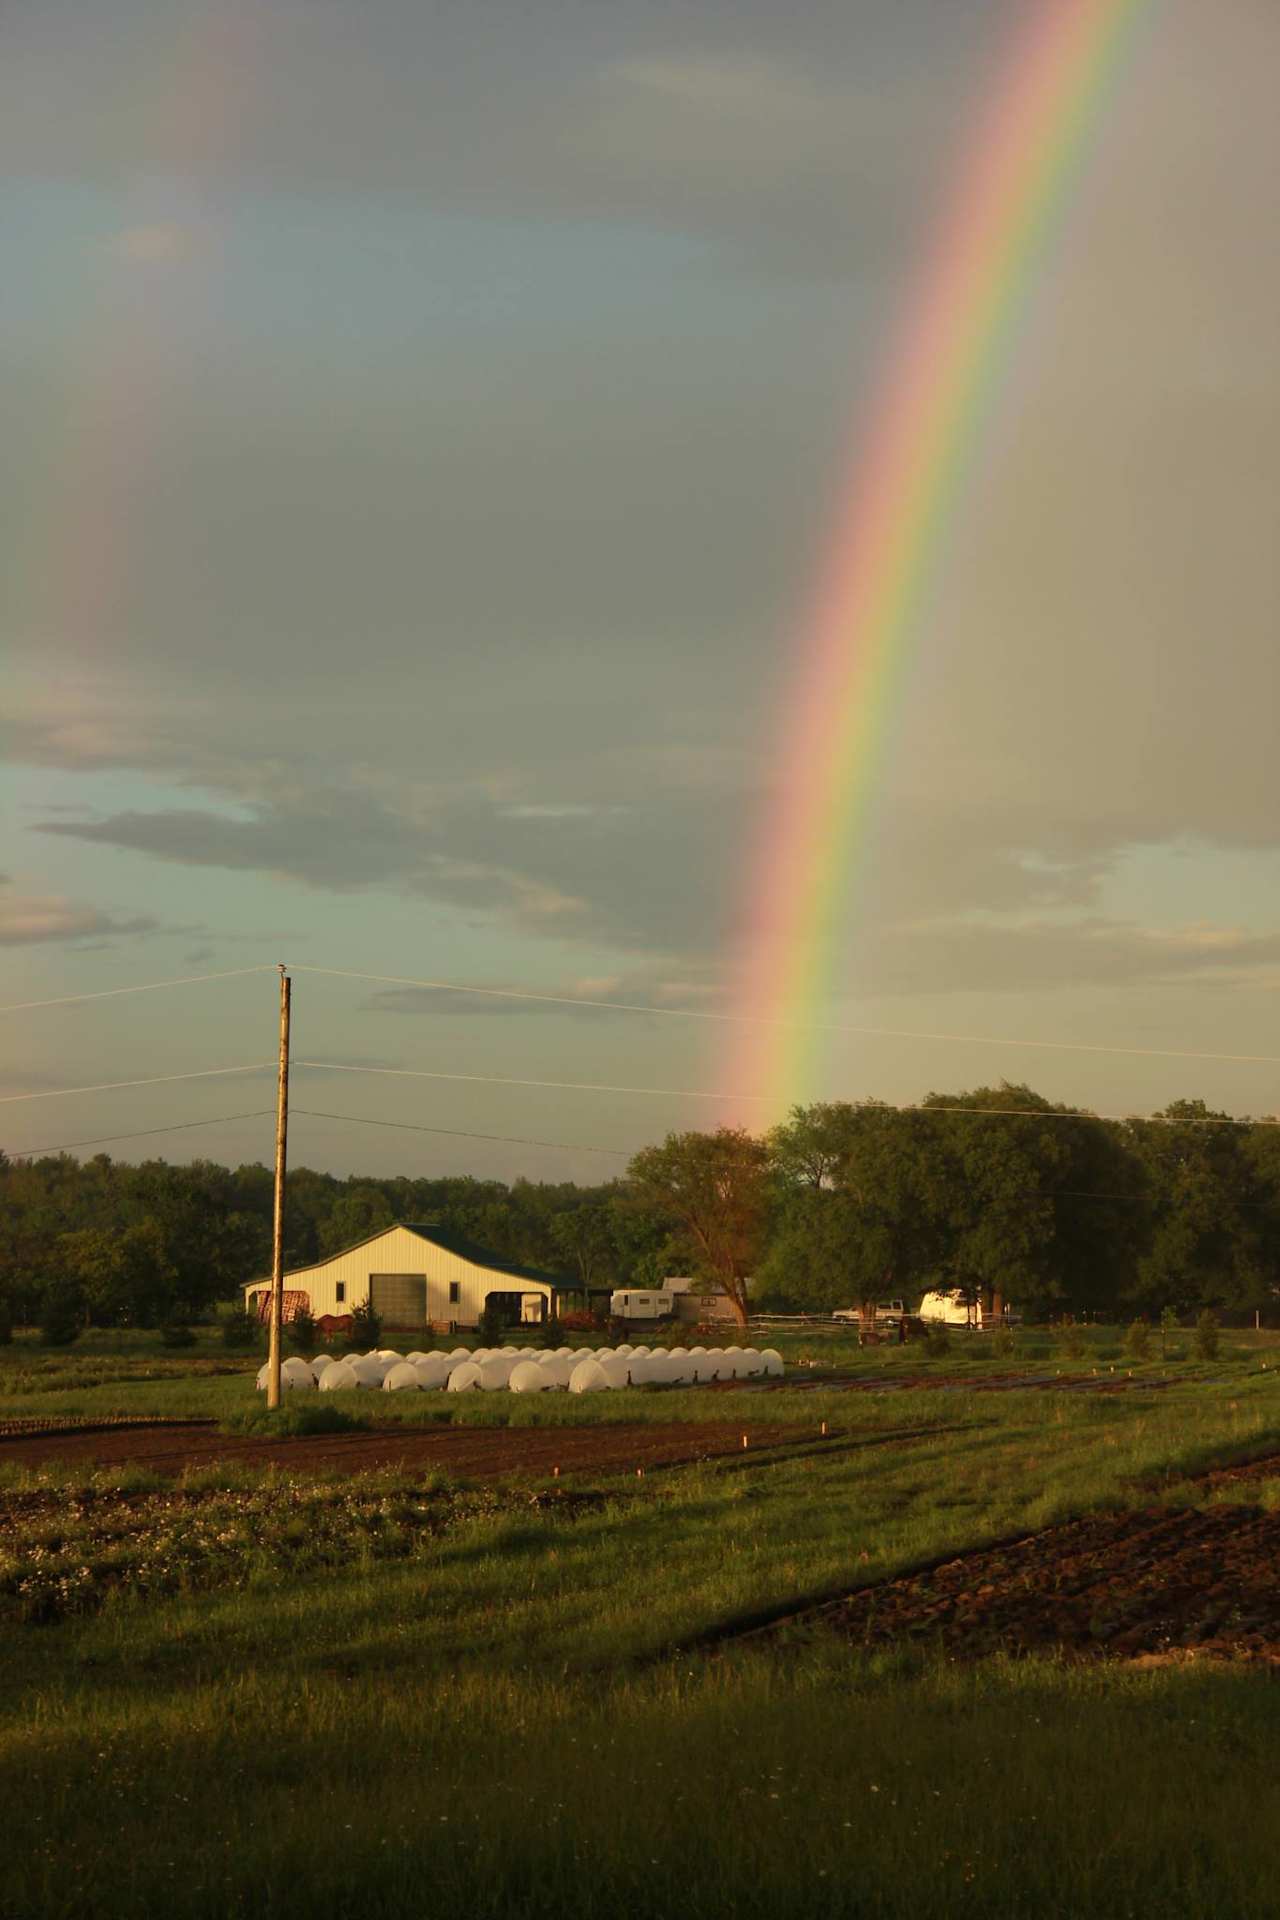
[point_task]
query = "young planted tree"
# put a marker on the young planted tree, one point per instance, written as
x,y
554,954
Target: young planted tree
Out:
x,y
712,1189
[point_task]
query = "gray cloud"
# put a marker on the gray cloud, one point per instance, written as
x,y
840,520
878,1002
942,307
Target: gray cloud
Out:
x,y
496,597
27,919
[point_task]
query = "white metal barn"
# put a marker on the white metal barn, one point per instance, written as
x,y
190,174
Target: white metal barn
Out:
x,y
418,1276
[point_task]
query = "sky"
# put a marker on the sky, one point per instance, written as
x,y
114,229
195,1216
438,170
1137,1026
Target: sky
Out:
x,y
422,424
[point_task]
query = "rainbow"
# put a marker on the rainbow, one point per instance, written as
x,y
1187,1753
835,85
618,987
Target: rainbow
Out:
x,y
890,526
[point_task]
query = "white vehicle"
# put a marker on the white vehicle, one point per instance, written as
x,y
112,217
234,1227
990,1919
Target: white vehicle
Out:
x,y
953,1310
886,1310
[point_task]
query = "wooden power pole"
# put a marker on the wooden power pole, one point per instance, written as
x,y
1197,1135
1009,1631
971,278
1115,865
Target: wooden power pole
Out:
x,y
277,1212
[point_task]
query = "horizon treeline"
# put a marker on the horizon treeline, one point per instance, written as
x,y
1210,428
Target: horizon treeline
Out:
x,y
1022,1202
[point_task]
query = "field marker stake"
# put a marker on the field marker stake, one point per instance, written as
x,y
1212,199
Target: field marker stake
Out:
x,y
744,1443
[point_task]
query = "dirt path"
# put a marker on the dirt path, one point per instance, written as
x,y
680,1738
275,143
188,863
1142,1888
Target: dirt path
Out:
x,y
1150,1584
472,1452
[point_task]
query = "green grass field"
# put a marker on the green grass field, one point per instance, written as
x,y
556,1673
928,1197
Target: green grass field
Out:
x,y
275,1695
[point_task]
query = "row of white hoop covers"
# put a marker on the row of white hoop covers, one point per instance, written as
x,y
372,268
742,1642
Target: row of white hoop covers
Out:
x,y
498,1369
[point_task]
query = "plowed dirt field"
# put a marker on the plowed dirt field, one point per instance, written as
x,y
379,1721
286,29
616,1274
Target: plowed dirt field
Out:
x,y
1152,1584
472,1452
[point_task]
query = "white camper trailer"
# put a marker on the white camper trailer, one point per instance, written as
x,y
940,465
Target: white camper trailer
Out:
x,y
631,1303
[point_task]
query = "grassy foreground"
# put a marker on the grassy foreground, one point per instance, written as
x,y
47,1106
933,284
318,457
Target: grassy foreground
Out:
x,y
271,1697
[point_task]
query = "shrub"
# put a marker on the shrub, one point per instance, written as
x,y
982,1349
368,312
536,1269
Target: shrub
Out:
x,y
937,1341
60,1315
1074,1342
366,1326
1208,1338
581,1321
1137,1342
301,1330
296,1415
176,1333
493,1327
240,1330
549,1334
6,1322
1002,1343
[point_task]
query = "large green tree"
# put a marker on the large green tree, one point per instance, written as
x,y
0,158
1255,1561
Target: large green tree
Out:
x,y
1211,1212
1039,1207
712,1190
856,1216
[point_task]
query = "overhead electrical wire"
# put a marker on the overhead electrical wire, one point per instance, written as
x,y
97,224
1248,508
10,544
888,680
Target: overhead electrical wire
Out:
x,y
504,1080
585,1004
148,986
142,1133
457,1133
814,1026
154,1080
689,1093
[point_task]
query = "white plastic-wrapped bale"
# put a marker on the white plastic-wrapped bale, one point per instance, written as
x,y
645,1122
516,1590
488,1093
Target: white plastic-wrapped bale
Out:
x,y
338,1378
414,1357
707,1366
558,1370
657,1368
640,1368
402,1378
625,1349
565,1353
616,1368
433,1371
461,1353
640,1350
511,1353
528,1377
587,1378
772,1363
368,1373
318,1365
465,1377
752,1362
388,1353
495,1373
293,1373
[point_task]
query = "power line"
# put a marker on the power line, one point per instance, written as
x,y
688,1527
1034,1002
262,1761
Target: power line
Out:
x,y
811,1026
503,1080
879,1106
670,1013
456,1133
155,1080
150,986
105,1139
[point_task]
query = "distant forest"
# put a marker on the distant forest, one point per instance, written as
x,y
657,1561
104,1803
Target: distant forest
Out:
x,y
1021,1202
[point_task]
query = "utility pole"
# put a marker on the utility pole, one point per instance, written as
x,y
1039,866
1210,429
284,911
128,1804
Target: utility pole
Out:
x,y
277,1212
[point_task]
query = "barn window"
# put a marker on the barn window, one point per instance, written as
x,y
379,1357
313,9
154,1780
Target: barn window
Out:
x,y
340,1292
455,1292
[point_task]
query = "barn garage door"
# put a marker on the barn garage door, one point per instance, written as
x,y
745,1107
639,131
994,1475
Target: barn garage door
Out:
x,y
399,1299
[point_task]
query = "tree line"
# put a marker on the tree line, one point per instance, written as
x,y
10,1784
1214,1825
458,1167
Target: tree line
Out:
x,y
996,1192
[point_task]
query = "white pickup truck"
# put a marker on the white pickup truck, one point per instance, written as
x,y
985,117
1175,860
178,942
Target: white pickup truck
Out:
x,y
886,1311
